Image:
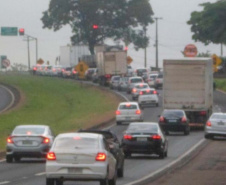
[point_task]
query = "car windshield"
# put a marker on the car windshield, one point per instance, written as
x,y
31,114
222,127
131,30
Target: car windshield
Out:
x,y
76,142
127,107
145,128
218,116
136,80
173,113
160,76
29,130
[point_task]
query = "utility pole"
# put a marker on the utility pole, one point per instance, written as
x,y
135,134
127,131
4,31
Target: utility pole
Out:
x,y
145,49
221,49
156,41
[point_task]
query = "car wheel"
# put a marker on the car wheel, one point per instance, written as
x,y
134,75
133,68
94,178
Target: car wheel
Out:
x,y
118,123
186,131
9,158
166,153
162,155
156,104
120,171
127,154
104,182
59,182
17,159
167,132
49,181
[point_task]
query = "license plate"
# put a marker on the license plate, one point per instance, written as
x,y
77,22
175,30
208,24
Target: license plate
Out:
x,y
141,139
128,117
75,170
220,123
172,121
27,142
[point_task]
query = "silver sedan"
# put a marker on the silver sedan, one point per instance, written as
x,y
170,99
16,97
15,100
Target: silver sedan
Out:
x,y
216,125
80,156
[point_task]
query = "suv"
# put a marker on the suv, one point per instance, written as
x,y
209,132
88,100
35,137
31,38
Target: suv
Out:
x,y
174,120
158,81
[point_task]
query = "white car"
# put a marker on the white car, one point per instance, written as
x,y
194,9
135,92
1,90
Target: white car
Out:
x,y
137,88
128,112
132,81
80,157
151,79
148,97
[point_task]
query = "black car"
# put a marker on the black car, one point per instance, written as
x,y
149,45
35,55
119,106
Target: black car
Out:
x,y
144,138
174,120
114,145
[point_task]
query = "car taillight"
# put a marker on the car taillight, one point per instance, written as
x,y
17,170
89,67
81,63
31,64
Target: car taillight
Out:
x,y
184,119
154,92
54,70
101,157
34,68
134,90
51,156
74,72
46,140
202,113
127,137
108,76
141,93
117,112
10,140
161,119
138,112
156,137
208,123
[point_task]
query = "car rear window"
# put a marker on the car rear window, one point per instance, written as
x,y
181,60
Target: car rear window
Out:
x,y
145,128
173,113
160,76
29,130
127,107
218,116
136,80
141,86
116,78
76,143
141,70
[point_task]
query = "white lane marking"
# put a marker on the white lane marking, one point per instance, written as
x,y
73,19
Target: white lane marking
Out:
x,y
3,160
5,182
221,91
40,174
167,166
13,98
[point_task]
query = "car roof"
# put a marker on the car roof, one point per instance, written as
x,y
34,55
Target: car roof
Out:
x,y
134,77
19,126
88,135
173,110
132,103
137,84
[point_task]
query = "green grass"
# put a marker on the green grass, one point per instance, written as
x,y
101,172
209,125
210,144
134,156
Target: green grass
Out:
x,y
221,84
62,104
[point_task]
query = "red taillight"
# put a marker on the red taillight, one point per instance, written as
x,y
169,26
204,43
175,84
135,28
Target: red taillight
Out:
x,y
51,156
54,70
202,113
127,137
161,119
154,92
208,123
148,91
46,140
134,90
141,93
63,70
138,112
117,112
184,119
157,137
108,76
34,68
101,157
74,72
9,140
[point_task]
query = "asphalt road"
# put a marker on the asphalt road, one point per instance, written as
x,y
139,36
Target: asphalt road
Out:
x,y
32,172
5,98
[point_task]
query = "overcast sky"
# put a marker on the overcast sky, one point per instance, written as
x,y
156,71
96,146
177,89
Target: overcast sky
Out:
x,y
174,33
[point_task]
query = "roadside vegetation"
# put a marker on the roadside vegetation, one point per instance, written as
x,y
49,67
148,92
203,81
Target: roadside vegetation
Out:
x,y
62,104
221,84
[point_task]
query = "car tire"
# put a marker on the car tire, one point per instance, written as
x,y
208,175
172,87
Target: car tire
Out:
x,y
166,132
118,123
120,171
162,155
127,154
17,159
156,104
104,182
49,181
186,131
166,153
9,158
112,181
59,182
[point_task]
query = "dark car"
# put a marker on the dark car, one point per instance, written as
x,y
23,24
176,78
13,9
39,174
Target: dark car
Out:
x,y
144,138
114,145
174,120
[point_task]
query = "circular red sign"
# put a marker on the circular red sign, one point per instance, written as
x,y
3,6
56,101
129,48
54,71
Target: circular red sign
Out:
x,y
6,63
190,50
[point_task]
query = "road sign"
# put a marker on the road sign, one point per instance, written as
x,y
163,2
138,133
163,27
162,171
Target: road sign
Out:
x,y
216,62
5,63
9,31
129,60
190,50
81,69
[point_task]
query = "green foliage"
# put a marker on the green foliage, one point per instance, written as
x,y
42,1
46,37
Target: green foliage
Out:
x,y
221,84
209,25
62,104
117,19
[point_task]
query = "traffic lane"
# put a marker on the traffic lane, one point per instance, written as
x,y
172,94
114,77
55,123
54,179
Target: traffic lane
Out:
x,y
219,101
207,168
5,98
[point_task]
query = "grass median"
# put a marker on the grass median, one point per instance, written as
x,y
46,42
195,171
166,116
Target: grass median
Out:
x,y
220,84
62,104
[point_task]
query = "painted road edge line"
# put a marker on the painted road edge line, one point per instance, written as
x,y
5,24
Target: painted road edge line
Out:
x,y
169,165
5,182
40,174
13,98
3,160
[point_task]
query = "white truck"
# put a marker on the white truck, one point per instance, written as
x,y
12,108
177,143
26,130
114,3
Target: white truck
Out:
x,y
110,63
188,85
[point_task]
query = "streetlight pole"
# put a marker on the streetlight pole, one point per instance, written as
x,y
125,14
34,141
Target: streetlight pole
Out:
x,y
156,41
145,49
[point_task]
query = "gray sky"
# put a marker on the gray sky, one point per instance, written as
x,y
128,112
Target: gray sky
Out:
x,y
174,33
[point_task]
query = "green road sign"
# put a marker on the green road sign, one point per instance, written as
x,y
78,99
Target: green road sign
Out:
x,y
9,31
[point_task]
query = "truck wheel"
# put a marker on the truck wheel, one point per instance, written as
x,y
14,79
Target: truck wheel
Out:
x,y
118,123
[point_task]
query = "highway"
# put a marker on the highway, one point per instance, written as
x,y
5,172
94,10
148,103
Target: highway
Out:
x,y
30,172
6,98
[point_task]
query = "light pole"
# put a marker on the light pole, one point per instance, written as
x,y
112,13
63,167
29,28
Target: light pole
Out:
x,y
156,41
145,49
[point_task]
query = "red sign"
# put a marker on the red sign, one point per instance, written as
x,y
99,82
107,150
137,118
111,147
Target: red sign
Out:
x,y
190,50
5,63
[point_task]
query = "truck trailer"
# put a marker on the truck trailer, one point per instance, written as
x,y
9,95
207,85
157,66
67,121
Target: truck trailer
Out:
x,y
188,85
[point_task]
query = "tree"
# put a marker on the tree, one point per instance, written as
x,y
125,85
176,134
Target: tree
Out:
x,y
209,25
115,19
